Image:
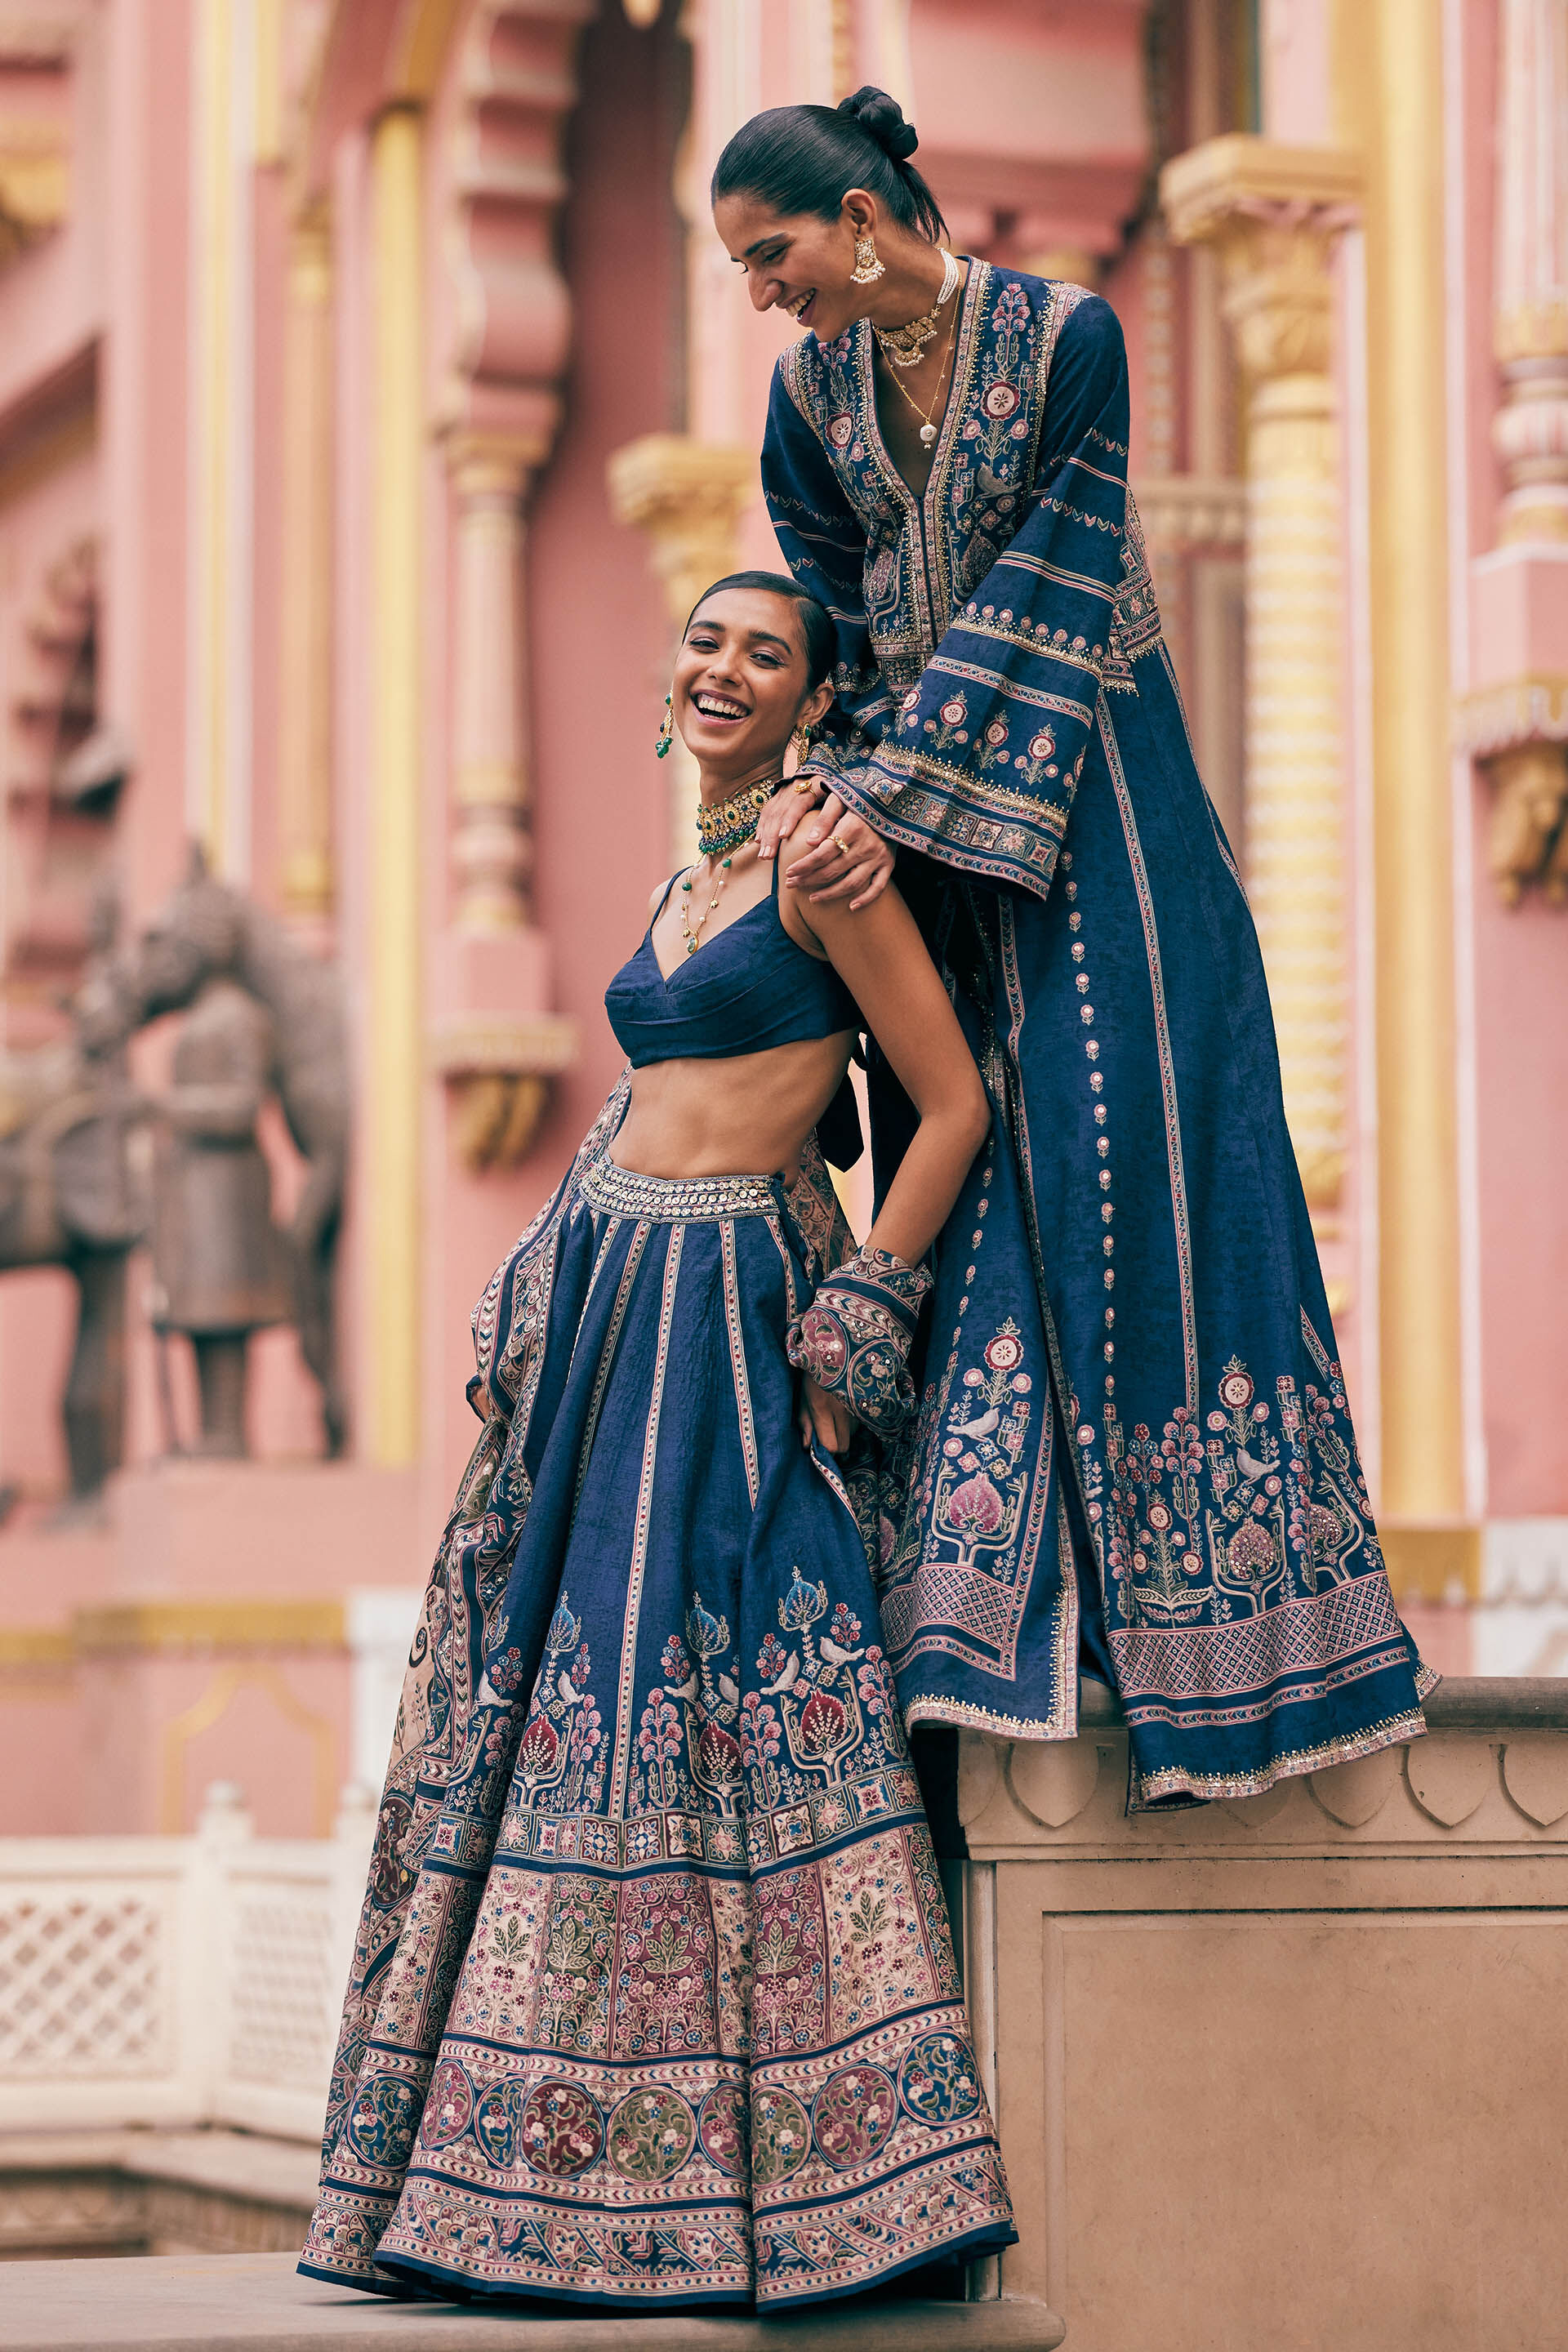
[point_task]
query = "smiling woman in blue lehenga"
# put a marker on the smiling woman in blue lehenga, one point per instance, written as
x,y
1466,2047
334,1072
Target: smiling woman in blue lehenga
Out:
x,y
653,2002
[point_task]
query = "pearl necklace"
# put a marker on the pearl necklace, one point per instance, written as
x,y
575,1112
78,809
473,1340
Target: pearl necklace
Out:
x,y
902,346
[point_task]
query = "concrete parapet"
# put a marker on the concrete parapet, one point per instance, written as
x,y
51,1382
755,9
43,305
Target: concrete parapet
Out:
x,y
1287,2070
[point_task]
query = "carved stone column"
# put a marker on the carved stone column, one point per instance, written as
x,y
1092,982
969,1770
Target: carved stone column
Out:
x,y
305,715
1515,719
1531,431
1272,212
493,1037
492,856
687,495
500,1063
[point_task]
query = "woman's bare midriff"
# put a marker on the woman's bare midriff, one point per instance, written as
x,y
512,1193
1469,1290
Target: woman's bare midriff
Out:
x,y
745,1116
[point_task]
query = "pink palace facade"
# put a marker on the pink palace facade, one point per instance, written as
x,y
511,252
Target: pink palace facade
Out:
x,y
374,400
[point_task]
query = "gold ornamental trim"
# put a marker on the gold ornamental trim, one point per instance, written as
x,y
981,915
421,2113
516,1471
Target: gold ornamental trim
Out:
x,y
37,1661
1203,189
534,1044
1438,1561
1531,709
35,180
208,1628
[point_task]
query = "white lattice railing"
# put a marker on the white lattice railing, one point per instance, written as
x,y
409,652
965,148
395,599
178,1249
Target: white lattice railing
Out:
x,y
163,1980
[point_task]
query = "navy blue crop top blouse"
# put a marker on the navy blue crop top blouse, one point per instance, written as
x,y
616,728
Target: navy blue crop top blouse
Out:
x,y
752,987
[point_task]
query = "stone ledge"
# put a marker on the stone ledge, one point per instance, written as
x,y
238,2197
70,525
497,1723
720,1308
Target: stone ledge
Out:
x,y
140,2192
254,2165
231,2303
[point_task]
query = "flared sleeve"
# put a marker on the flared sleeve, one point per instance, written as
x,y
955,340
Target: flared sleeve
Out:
x,y
823,542
976,764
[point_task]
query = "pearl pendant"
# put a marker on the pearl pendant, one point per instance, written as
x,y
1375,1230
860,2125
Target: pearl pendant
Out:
x,y
928,435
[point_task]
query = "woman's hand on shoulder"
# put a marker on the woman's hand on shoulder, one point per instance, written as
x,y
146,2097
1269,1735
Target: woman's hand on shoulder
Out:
x,y
788,805
844,859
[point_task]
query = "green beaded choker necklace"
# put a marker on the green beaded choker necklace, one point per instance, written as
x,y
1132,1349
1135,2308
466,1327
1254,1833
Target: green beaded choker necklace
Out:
x,y
729,824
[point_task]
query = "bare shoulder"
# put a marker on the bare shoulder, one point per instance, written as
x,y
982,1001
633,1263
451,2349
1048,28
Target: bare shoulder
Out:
x,y
826,928
657,896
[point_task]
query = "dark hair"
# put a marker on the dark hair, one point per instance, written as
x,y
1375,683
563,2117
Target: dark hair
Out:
x,y
804,159
821,642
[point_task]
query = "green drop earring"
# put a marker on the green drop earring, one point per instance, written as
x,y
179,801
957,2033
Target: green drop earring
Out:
x,y
666,735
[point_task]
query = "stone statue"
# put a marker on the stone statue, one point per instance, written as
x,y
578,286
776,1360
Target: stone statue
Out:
x,y
219,1263
265,1016
70,1197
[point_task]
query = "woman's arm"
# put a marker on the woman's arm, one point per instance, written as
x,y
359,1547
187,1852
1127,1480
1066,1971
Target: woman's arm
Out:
x,y
865,1314
881,958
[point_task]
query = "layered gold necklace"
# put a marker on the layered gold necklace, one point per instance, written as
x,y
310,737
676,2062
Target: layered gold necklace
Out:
x,y
927,416
723,829
903,346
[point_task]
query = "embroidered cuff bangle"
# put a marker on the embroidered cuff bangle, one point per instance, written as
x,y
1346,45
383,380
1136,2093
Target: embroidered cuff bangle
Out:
x,y
854,1338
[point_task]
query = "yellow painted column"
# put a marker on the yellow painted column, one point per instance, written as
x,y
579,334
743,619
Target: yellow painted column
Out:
x,y
1390,97
305,709
1273,212
216,719
687,495
391,1172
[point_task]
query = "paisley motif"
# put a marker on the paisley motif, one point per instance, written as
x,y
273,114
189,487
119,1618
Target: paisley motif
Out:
x,y
721,2130
383,2121
780,2138
448,2104
495,2124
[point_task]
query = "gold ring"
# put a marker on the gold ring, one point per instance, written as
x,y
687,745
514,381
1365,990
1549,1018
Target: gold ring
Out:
x,y
803,784
841,844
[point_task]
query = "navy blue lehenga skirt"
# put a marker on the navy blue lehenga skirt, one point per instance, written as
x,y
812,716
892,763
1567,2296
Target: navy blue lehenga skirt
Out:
x,y
654,2002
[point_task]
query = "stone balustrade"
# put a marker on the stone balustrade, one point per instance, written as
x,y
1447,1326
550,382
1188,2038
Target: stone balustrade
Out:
x,y
163,1982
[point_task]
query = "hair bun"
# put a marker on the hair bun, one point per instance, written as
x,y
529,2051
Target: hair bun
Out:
x,y
882,118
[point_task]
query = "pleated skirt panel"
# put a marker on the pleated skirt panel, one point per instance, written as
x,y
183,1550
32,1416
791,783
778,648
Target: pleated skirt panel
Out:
x,y
674,2018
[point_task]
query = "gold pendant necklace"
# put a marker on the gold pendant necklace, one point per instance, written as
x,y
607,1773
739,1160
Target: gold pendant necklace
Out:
x,y
928,429
903,346
693,936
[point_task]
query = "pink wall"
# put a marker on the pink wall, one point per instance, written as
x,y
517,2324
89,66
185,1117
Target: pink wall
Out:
x,y
1521,953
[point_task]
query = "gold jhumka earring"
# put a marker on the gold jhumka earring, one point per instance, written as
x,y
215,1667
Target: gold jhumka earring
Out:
x,y
867,269
666,735
800,742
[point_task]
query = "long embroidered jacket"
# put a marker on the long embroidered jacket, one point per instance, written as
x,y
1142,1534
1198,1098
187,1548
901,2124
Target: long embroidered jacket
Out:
x,y
1134,1424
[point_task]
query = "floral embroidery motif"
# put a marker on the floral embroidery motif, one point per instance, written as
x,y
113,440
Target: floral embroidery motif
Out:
x,y
980,1489
562,1747
1256,1505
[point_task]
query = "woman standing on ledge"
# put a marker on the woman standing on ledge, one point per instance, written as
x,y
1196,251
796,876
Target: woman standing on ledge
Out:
x,y
1134,1444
